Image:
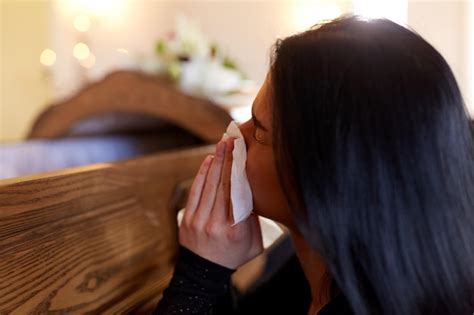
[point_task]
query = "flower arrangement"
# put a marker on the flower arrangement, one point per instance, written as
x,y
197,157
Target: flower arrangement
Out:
x,y
195,64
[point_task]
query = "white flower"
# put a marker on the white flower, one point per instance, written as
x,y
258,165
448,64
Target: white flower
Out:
x,y
207,77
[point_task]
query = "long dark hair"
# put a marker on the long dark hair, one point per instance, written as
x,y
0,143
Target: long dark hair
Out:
x,y
371,131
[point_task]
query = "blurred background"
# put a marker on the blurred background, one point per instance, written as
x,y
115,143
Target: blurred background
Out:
x,y
94,81
50,49
88,81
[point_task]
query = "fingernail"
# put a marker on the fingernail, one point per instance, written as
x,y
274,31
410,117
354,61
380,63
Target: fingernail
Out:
x,y
209,158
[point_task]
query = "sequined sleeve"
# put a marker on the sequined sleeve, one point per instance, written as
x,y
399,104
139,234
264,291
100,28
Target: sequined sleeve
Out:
x,y
198,286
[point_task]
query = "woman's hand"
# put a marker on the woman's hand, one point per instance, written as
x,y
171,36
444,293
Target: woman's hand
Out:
x,y
207,228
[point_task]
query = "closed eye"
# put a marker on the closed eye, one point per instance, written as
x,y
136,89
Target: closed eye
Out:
x,y
257,123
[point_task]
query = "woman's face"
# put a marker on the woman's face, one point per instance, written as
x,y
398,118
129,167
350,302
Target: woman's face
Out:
x,y
268,197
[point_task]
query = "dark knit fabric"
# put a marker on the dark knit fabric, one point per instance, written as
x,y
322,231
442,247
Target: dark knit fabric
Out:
x,y
202,287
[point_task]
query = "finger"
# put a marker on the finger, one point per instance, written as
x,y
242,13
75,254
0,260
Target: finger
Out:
x,y
256,233
197,188
220,210
255,227
210,187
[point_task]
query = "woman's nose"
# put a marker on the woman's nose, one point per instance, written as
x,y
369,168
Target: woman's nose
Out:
x,y
245,129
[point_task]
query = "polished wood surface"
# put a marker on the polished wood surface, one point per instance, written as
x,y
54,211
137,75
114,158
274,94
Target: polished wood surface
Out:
x,y
134,92
94,239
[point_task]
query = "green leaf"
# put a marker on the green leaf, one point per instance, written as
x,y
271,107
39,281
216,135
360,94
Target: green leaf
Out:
x,y
174,70
160,47
229,63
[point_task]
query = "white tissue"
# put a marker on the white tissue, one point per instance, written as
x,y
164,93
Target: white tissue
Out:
x,y
240,192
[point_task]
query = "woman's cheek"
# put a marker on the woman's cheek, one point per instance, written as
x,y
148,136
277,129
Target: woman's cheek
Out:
x,y
256,181
267,195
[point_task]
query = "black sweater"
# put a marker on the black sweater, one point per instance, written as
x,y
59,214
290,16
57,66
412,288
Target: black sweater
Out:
x,y
202,287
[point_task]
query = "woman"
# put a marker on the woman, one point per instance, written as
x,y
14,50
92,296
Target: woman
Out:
x,y
360,145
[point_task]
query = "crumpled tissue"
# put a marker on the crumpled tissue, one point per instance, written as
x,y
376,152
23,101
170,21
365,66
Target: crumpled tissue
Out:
x,y
240,191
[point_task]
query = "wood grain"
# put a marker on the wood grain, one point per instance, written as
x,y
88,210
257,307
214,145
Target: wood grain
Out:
x,y
94,239
134,92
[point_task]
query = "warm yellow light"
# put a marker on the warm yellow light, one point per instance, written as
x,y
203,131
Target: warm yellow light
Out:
x,y
48,57
81,51
82,23
306,14
395,10
100,9
89,62
122,51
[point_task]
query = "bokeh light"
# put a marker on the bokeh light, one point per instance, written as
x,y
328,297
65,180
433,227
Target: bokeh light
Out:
x,y
122,51
48,57
81,51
